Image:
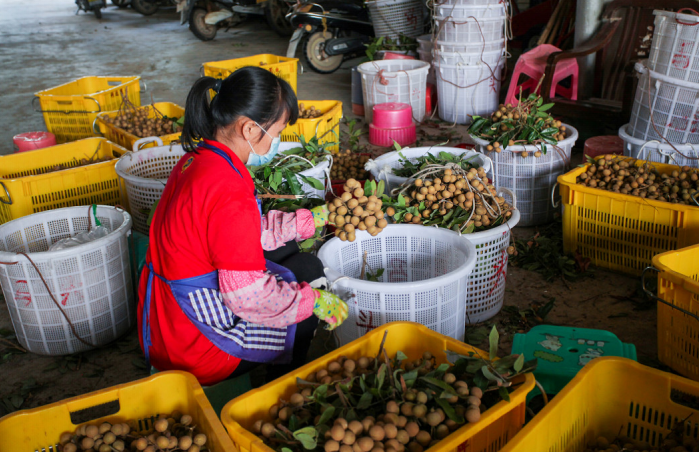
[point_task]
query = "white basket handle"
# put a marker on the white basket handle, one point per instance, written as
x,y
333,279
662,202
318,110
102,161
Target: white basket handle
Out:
x,y
137,145
511,194
553,202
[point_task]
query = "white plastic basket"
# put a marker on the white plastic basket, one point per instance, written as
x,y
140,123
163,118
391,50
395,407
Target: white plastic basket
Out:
x,y
493,10
145,174
486,290
463,90
659,152
426,56
91,282
391,18
472,47
493,58
382,167
405,82
675,48
424,42
531,178
469,30
674,105
471,2
425,279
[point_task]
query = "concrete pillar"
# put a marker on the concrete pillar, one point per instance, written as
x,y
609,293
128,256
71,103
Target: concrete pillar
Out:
x,y
587,22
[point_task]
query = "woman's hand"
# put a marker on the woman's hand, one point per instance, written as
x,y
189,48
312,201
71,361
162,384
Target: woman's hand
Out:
x,y
330,308
320,215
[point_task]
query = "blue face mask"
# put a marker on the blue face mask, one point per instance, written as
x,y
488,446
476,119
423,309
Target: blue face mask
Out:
x,y
255,159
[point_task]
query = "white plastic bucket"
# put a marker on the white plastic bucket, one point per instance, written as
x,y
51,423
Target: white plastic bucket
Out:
x,y
675,48
467,90
659,152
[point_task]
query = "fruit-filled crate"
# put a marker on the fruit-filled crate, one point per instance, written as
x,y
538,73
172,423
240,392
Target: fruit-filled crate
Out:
x,y
138,404
71,174
326,126
283,67
496,426
620,231
70,109
107,127
614,400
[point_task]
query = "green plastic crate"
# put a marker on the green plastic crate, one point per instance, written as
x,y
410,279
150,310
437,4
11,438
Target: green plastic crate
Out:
x,y
562,351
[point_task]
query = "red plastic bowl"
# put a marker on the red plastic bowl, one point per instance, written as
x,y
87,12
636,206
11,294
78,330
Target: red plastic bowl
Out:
x,y
30,141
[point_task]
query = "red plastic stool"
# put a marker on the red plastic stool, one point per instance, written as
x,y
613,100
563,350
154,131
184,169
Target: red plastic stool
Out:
x,y
533,65
430,98
606,144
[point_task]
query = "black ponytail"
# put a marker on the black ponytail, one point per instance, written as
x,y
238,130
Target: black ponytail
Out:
x,y
250,92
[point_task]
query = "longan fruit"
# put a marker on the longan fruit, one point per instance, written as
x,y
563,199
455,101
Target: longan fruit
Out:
x,y
140,443
442,431
355,221
462,391
173,442
382,223
346,448
296,399
357,211
477,392
421,398
363,362
352,203
345,197
192,448
349,438
327,380
70,447
118,429
371,206
187,419
332,446
337,202
87,443
342,210
419,410
415,447
109,438
334,367
370,221
356,427
366,444
160,425
92,431
342,423
349,227
473,414
403,437
394,444
406,409
377,433
337,432
367,424
106,426
267,430
340,221
199,439
412,428
402,420
358,192
449,378
106,448
162,442
434,419
390,430
362,226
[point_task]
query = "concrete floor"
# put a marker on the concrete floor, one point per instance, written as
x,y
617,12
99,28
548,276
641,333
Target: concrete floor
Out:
x,y
45,44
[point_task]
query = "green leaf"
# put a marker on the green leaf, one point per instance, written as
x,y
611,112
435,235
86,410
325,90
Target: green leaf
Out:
x,y
504,394
365,401
286,449
494,339
293,422
396,146
293,182
401,201
327,415
449,410
400,356
546,107
440,384
308,442
313,182
489,375
380,188
519,363
381,376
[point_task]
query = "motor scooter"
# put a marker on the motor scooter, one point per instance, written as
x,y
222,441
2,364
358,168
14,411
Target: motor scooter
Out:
x,y
329,32
206,17
149,7
91,5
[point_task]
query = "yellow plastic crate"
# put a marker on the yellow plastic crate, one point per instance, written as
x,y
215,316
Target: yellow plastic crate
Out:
x,y
623,232
610,396
678,332
283,67
496,427
326,127
27,187
126,139
70,109
39,429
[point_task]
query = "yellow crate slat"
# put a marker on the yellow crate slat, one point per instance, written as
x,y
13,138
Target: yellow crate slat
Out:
x,y
70,109
141,400
283,67
126,139
496,427
325,127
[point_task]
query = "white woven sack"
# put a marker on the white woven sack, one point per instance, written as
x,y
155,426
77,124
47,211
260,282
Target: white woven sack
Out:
x,y
532,178
660,152
674,105
382,167
392,18
91,282
469,30
486,291
403,81
675,48
464,91
425,279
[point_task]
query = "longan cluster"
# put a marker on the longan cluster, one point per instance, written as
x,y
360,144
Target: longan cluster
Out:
x,y
413,422
622,175
353,210
310,113
672,443
137,122
348,165
169,433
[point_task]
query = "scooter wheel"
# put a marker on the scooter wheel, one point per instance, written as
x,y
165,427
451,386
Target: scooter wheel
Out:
x,y
98,13
199,28
145,7
121,3
313,46
275,13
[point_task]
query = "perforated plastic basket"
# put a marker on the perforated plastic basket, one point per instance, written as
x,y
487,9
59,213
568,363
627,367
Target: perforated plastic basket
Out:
x,y
425,279
659,152
497,426
674,50
464,91
402,81
29,184
612,397
465,11
382,167
92,281
126,139
70,109
492,58
283,67
473,47
532,178
392,18
623,232
469,30
325,127
673,103
141,401
470,2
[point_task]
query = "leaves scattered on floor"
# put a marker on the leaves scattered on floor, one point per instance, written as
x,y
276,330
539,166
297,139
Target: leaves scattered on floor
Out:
x,y
517,320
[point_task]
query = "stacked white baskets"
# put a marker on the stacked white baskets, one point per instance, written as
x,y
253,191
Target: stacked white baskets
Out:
x,y
468,55
666,105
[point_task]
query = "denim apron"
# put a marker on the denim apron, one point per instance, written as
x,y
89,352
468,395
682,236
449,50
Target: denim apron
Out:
x,y
200,300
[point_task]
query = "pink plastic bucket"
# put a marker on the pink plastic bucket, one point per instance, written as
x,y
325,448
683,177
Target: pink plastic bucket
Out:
x,y
30,141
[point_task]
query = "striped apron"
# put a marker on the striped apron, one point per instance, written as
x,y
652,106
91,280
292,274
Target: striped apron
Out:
x,y
200,299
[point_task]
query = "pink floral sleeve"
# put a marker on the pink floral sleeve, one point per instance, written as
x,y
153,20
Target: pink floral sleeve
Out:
x,y
281,227
258,297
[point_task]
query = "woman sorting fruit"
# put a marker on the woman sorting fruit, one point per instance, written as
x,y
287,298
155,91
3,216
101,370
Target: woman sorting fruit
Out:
x,y
224,288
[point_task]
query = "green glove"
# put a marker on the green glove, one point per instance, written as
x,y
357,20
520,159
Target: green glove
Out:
x,y
320,215
330,308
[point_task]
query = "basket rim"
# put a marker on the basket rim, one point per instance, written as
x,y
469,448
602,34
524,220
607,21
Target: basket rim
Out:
x,y
674,15
108,114
628,138
45,93
641,68
511,223
283,60
569,140
126,224
474,19
466,268
124,174
394,155
369,68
